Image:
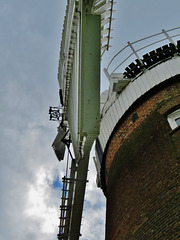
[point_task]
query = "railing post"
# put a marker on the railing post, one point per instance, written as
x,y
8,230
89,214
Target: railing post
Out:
x,y
168,37
106,73
134,51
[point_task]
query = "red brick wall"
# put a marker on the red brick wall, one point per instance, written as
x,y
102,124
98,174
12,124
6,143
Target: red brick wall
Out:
x,y
143,173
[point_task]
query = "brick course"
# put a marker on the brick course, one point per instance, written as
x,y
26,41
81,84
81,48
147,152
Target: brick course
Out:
x,y
142,172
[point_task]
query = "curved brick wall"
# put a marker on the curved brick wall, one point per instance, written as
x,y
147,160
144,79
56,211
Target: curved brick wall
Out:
x,y
142,171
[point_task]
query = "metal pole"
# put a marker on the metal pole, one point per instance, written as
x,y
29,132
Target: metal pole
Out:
x,y
168,37
134,51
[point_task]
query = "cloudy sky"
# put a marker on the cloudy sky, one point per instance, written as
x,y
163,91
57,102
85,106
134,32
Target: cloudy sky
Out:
x,y
29,51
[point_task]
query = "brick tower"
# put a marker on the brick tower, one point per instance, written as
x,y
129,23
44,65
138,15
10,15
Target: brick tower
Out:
x,y
138,149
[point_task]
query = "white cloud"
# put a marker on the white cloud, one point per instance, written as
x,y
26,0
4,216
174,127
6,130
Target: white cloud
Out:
x,y
37,208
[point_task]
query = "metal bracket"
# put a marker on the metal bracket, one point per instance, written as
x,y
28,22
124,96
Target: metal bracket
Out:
x,y
55,114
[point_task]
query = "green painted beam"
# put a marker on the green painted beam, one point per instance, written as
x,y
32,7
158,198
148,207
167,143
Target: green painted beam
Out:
x,y
89,90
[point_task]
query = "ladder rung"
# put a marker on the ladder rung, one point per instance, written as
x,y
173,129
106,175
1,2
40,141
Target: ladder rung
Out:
x,y
62,235
64,207
73,179
64,217
64,198
63,226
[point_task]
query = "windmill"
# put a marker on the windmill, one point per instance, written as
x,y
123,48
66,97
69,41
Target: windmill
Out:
x,y
141,105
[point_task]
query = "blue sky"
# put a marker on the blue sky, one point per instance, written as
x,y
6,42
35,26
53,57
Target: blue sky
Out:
x,y
29,49
57,183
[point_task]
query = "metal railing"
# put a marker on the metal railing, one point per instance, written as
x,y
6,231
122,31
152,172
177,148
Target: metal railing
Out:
x,y
121,59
